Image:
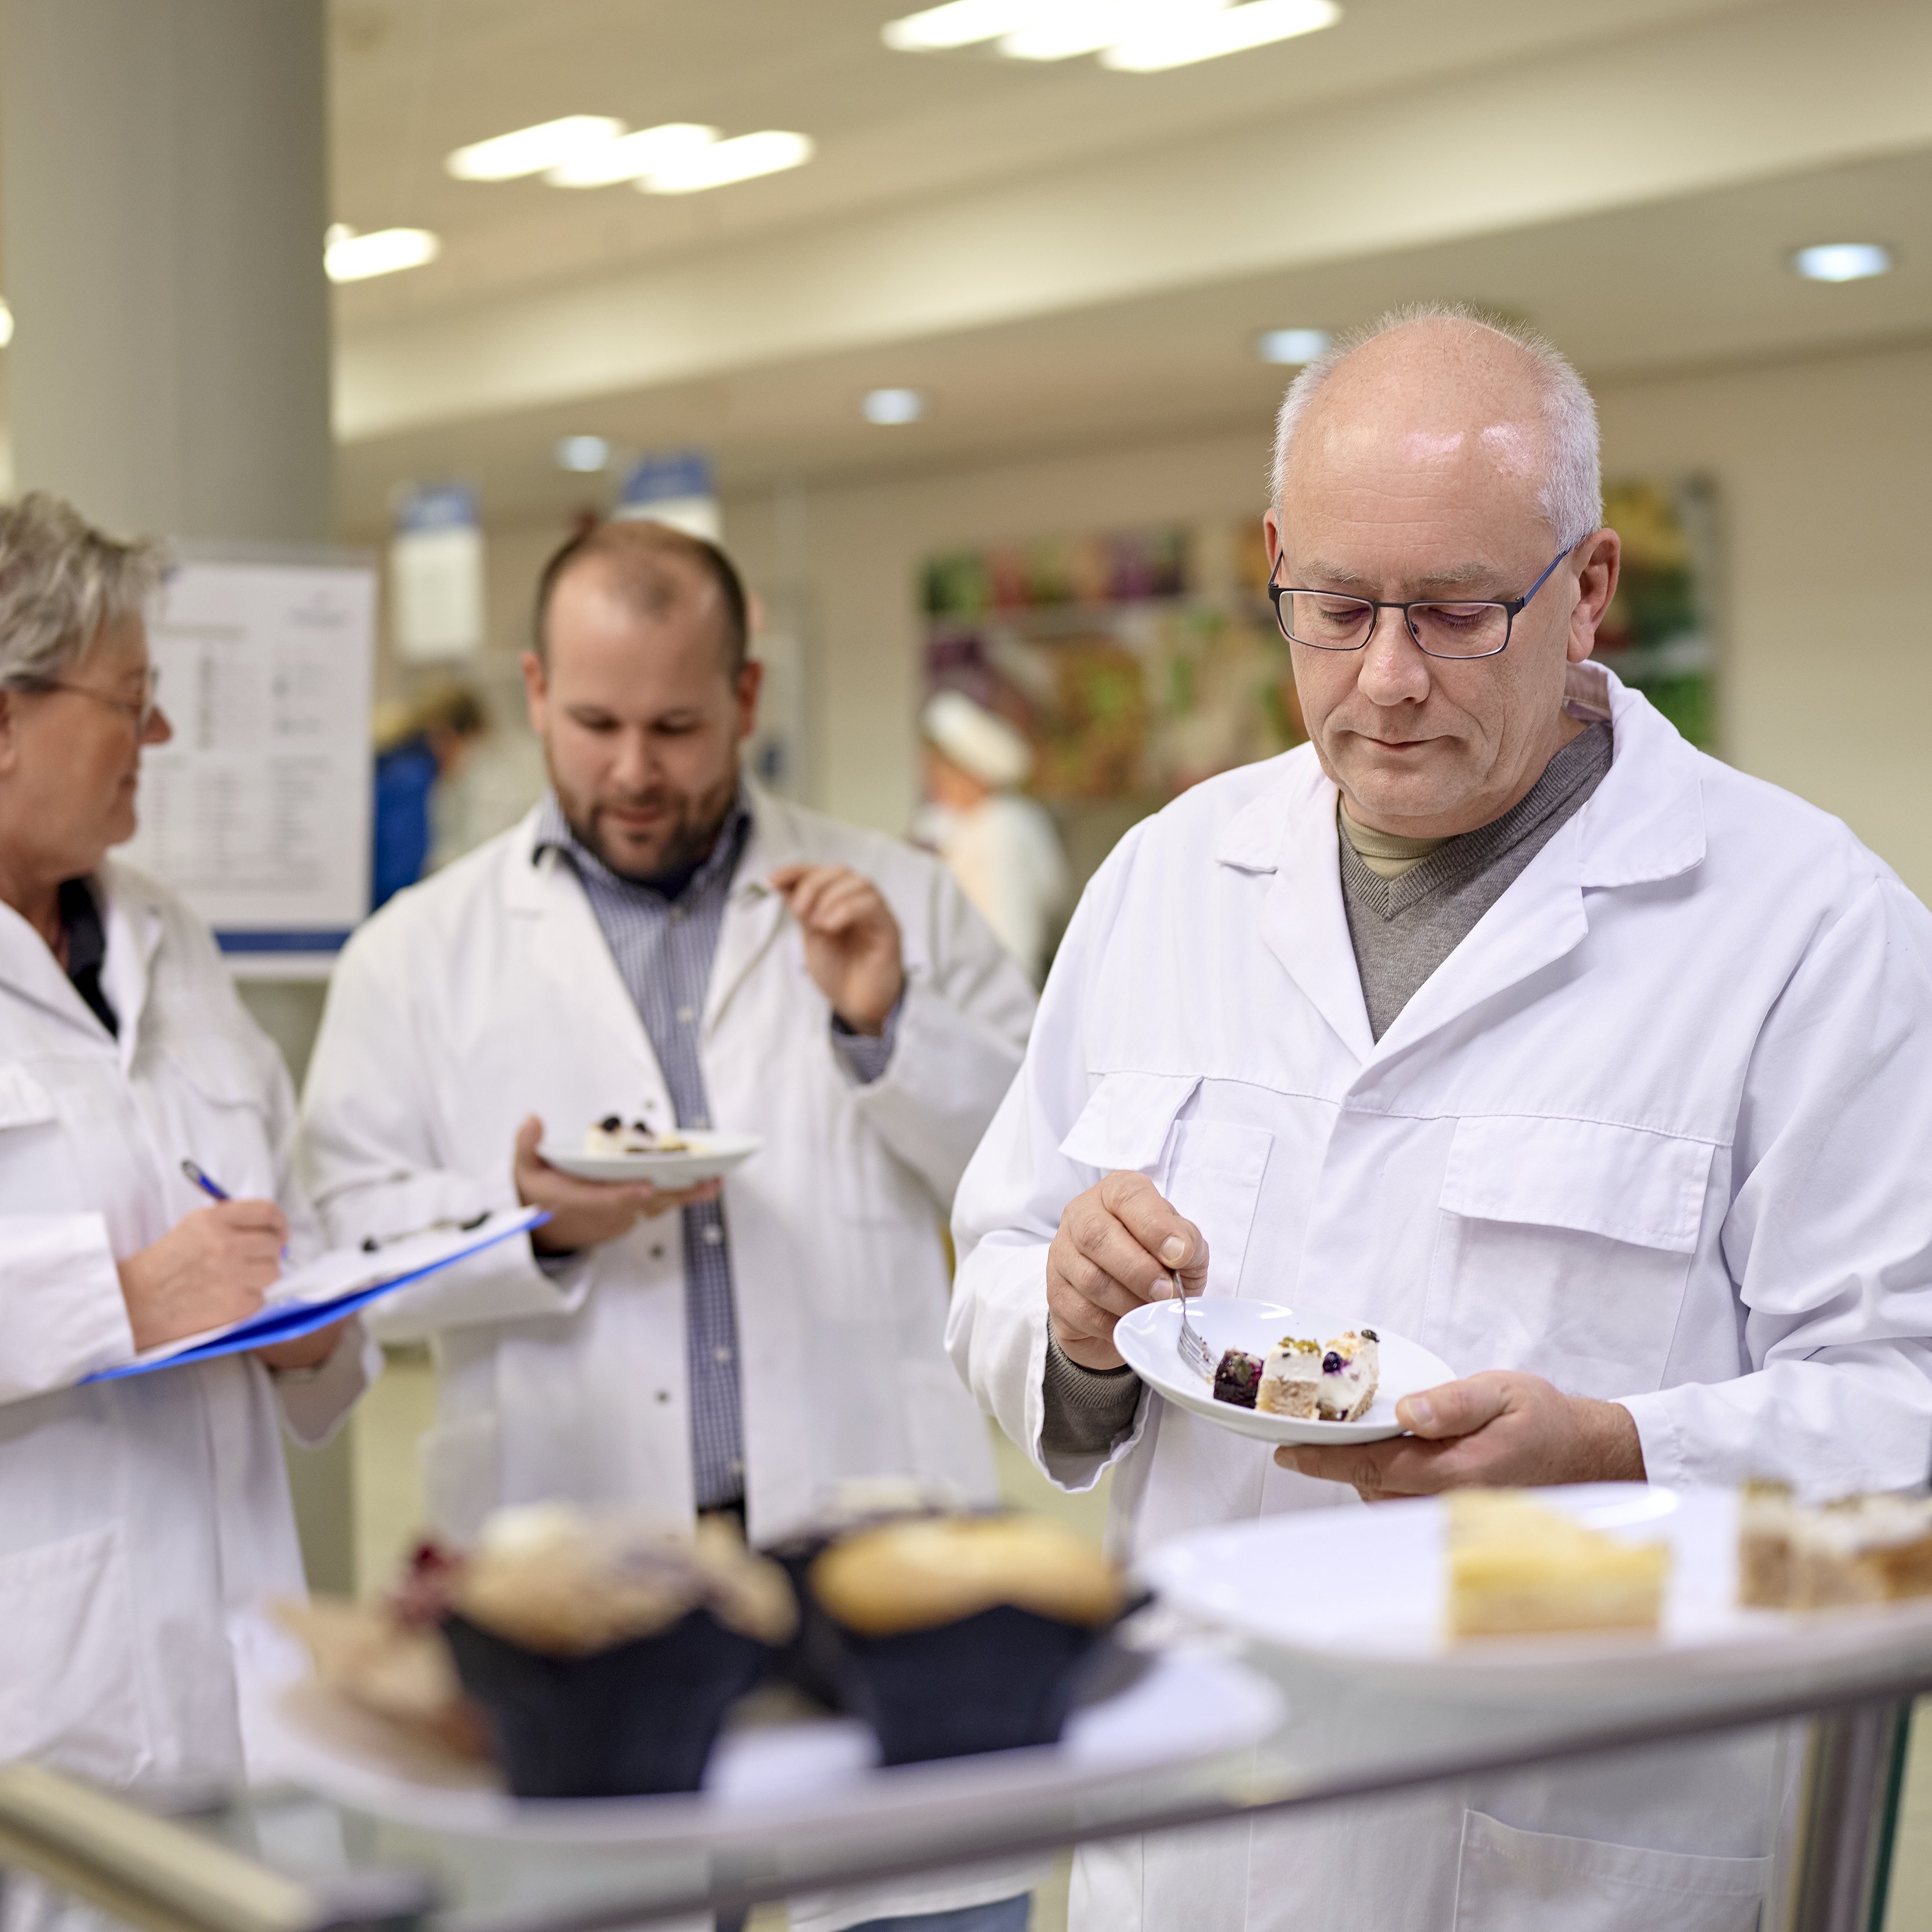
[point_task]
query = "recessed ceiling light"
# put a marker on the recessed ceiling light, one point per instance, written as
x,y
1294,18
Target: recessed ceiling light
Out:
x,y
893,405
691,170
1842,261
1293,346
530,150
1131,36
587,453
6,325
631,157
348,256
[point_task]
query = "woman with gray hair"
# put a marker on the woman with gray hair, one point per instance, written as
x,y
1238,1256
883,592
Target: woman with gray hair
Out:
x,y
137,1517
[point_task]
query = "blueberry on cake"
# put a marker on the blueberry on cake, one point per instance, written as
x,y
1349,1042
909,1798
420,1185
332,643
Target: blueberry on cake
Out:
x,y
1237,1378
1311,1382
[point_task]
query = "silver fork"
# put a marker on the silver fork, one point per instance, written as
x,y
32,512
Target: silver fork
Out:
x,y
1194,1351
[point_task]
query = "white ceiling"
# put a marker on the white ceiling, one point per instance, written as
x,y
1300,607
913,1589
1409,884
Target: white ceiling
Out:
x,y
1063,254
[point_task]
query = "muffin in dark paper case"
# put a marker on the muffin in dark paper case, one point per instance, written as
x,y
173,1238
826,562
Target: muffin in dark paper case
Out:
x,y
605,1655
964,1633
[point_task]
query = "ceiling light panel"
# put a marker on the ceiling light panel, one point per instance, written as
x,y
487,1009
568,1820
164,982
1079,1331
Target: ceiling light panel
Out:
x,y
631,157
347,256
1129,36
533,150
743,158
1183,40
1291,347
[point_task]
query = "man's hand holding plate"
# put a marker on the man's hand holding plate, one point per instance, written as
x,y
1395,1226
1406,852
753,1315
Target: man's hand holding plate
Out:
x,y
586,1214
1500,1429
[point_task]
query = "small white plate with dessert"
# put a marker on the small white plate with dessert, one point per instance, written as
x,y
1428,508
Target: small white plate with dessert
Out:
x,y
1591,1589
615,1149
1280,1376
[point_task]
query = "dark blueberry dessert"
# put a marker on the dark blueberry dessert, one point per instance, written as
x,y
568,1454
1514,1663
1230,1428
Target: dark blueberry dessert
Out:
x,y
1237,1377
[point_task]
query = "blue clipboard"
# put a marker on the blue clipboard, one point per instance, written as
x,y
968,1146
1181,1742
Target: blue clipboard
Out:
x,y
288,1321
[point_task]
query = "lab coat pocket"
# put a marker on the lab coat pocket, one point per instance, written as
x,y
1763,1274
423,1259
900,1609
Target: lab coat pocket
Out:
x,y
36,1162
1215,1179
1512,1881
69,1686
229,1126
1564,1249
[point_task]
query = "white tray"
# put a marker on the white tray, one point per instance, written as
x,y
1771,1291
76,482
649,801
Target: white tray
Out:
x,y
1147,1338
710,1156
1184,1705
1365,1588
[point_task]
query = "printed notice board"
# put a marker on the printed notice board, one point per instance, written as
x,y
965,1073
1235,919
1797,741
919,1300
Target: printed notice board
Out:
x,y
257,810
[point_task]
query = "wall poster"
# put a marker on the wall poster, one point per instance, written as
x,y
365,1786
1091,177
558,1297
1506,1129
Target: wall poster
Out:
x,y
257,810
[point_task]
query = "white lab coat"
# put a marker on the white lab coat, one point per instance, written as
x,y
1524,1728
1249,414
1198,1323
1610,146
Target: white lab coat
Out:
x,y
138,1519
1658,1129
488,993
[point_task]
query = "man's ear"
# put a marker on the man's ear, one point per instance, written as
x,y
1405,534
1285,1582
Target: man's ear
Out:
x,y
536,689
10,729
1271,536
1596,585
745,688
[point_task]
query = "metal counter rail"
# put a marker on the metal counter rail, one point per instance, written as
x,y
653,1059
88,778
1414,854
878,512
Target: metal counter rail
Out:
x,y
158,1874
165,1876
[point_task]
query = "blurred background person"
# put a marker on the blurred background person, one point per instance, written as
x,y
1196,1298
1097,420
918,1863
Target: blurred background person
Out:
x,y
424,750
1000,845
137,1517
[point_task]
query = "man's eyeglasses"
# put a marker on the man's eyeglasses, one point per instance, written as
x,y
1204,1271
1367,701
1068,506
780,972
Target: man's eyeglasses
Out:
x,y
142,710
1478,628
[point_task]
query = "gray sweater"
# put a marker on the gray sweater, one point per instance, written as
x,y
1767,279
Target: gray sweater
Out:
x,y
1401,929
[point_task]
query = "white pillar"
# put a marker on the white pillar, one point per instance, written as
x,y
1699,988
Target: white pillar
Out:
x,y
163,191
163,197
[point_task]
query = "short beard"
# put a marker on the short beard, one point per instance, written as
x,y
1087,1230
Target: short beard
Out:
x,y
687,846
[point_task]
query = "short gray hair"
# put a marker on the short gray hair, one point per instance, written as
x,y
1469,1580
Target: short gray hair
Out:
x,y
1572,496
61,580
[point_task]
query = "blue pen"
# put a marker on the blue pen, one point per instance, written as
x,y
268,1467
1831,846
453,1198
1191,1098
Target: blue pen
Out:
x,y
208,1187
213,1189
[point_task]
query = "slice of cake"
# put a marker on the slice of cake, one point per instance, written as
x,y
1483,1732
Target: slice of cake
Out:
x,y
1768,1522
1517,1566
612,1137
1866,1549
1333,1381
1237,1377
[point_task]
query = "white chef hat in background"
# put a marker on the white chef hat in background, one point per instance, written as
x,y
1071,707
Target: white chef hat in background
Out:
x,y
977,740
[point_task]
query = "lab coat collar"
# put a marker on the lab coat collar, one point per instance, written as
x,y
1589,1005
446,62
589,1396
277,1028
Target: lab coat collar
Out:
x,y
1644,823
131,912
541,885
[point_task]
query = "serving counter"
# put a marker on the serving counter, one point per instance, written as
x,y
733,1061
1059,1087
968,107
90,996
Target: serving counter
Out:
x,y
283,1858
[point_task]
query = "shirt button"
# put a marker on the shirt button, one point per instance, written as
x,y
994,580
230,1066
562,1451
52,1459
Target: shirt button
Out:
x,y
686,1014
713,1235
664,1395
721,1355
736,1466
657,1253
677,915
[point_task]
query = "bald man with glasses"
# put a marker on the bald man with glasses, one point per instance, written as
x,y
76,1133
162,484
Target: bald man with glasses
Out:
x,y
1500,1018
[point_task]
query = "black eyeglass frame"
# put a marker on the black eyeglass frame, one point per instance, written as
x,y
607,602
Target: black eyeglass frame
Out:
x,y
1511,607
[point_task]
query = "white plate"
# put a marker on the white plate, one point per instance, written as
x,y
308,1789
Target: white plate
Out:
x,y
710,1155
1366,1587
1147,1338
1186,1705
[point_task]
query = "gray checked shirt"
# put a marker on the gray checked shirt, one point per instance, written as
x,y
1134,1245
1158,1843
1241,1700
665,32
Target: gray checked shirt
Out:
x,y
664,947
